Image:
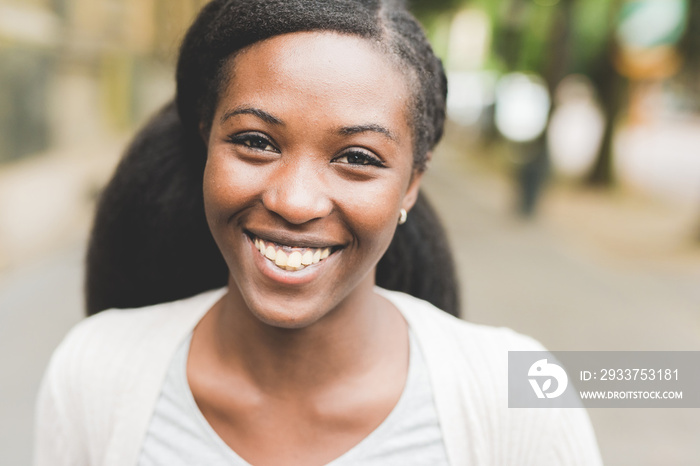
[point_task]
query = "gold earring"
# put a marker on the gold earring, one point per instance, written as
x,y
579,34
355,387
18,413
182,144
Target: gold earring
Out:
x,y
403,217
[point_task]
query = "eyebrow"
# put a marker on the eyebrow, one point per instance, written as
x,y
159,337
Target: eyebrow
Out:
x,y
350,130
263,115
345,130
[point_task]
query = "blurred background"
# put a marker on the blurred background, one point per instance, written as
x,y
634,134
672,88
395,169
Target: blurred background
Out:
x,y
569,177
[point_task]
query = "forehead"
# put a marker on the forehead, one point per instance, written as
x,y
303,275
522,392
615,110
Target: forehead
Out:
x,y
339,76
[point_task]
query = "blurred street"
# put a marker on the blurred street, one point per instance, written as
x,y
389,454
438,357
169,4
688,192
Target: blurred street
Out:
x,y
39,304
559,278
592,273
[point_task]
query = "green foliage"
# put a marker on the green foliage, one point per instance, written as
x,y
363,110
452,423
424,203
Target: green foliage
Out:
x,y
438,32
522,29
593,25
534,49
494,8
426,9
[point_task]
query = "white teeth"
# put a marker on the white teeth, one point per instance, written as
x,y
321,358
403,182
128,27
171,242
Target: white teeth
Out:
x,y
307,258
294,261
281,259
270,253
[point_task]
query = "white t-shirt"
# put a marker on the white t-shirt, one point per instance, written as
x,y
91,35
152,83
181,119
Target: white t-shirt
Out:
x,y
179,435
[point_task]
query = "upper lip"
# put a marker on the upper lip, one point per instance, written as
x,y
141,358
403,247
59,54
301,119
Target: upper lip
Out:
x,y
296,240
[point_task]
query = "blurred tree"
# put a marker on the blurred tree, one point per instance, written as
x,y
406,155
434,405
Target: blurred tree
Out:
x,y
554,38
689,47
690,74
534,37
596,61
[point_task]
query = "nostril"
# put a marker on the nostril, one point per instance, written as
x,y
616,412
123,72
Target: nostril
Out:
x,y
297,202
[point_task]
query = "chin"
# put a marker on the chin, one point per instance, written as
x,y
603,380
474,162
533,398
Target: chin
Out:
x,y
287,314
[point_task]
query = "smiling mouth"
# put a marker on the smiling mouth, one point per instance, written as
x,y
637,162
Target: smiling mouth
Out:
x,y
291,258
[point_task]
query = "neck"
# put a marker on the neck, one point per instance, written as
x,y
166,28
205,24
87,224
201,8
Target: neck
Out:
x,y
349,340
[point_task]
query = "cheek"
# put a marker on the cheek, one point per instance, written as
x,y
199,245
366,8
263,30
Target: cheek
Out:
x,y
226,188
373,209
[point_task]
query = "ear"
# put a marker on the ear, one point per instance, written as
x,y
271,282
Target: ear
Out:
x,y
411,195
428,160
409,199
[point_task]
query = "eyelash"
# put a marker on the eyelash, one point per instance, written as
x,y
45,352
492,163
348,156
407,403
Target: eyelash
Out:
x,y
248,140
258,142
365,157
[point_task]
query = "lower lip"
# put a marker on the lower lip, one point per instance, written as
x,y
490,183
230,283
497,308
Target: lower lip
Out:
x,y
287,277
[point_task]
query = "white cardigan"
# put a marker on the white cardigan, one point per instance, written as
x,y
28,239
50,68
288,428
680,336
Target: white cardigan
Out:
x,y
103,381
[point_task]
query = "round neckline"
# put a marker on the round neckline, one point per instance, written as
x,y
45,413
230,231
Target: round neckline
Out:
x,y
374,436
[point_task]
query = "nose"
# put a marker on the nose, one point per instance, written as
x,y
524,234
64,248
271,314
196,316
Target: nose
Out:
x,y
297,193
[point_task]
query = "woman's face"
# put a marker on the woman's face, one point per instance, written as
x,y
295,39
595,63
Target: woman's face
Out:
x,y
309,163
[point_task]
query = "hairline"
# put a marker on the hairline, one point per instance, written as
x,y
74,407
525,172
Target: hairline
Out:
x,y
382,44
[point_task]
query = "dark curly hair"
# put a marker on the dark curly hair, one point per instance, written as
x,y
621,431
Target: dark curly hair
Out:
x,y
150,242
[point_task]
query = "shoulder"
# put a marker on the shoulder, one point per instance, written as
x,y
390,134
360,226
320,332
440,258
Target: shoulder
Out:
x,y
434,324
113,337
101,359
135,329
463,353
468,365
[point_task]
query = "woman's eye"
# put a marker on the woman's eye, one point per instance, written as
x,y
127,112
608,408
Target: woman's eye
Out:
x,y
253,141
359,158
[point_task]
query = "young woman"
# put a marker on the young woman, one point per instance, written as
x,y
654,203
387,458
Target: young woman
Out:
x,y
299,137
